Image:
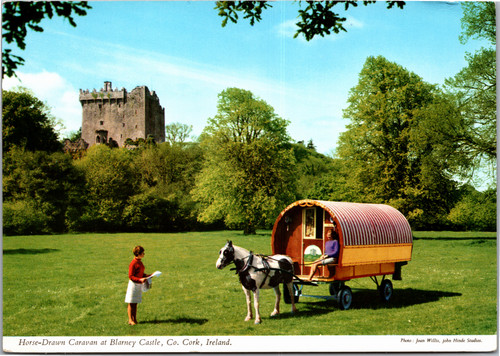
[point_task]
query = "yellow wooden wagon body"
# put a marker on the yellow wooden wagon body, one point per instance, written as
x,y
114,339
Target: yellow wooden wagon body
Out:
x,y
375,239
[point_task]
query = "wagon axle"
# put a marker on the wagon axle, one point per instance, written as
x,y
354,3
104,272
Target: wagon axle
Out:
x,y
339,292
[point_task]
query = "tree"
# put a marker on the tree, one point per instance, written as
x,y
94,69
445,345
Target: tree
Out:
x,y
384,161
110,181
27,122
475,210
311,166
247,175
46,183
310,145
177,132
168,171
74,136
479,21
474,91
18,16
318,18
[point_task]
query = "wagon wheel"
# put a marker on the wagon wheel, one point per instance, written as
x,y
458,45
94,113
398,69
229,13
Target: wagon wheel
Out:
x,y
335,287
286,294
386,290
345,298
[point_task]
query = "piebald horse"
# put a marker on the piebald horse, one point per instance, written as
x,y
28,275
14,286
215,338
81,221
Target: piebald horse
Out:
x,y
257,272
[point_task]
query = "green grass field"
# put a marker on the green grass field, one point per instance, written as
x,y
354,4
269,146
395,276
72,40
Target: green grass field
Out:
x,y
74,285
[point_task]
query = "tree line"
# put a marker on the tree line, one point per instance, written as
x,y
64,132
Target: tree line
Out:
x,y
408,143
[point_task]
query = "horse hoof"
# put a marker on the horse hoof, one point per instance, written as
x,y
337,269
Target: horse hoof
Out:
x,y
257,322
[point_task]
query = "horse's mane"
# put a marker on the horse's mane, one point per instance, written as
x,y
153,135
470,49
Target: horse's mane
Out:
x,y
241,250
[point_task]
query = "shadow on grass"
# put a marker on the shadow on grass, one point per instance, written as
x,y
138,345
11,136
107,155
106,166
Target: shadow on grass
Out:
x,y
176,321
29,251
368,299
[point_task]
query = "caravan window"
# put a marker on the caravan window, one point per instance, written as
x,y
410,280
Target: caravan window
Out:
x,y
309,223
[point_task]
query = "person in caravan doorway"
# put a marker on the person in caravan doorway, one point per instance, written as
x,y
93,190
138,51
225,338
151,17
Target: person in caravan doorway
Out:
x,y
331,252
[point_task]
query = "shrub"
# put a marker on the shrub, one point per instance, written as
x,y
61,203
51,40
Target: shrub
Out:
x,y
476,211
22,217
150,213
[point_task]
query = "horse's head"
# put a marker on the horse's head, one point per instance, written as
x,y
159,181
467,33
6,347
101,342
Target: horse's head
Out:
x,y
226,255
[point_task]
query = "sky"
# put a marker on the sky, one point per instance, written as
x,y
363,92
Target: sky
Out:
x,y
180,50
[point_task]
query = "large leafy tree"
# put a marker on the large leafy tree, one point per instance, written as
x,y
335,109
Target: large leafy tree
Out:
x,y
27,122
47,183
247,175
384,159
19,16
177,132
474,91
111,179
317,18
167,171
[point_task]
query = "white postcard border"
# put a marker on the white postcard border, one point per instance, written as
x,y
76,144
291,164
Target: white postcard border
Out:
x,y
218,344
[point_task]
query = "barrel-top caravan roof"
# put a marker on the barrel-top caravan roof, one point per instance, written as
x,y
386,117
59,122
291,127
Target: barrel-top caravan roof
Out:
x,y
363,224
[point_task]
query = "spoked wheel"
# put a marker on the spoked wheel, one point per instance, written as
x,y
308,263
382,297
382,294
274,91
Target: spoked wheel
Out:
x,y
345,298
386,290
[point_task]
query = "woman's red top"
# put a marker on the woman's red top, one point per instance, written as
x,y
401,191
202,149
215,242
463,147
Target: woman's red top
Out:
x,y
136,270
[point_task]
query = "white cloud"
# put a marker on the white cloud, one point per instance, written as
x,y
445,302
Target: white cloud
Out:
x,y
351,22
55,91
287,28
187,89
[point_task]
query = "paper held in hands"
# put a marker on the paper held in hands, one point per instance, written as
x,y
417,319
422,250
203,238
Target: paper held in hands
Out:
x,y
155,274
149,282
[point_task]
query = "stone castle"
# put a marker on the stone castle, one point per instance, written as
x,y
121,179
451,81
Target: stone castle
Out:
x,y
112,116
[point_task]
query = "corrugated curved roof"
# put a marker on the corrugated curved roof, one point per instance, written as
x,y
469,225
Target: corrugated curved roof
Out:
x,y
365,224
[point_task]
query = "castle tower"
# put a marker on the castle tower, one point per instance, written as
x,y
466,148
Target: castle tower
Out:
x,y
114,115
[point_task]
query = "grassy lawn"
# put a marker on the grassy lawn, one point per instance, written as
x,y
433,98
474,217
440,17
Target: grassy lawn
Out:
x,y
74,285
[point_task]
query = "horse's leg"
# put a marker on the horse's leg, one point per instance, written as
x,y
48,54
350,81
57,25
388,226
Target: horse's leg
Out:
x,y
249,302
292,296
276,310
256,306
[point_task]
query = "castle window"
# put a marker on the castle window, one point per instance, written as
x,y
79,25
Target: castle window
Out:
x,y
123,124
100,106
102,122
98,139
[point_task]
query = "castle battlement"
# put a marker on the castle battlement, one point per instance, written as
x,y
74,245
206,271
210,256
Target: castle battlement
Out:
x,y
106,93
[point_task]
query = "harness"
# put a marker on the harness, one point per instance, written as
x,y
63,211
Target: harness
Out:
x,y
248,264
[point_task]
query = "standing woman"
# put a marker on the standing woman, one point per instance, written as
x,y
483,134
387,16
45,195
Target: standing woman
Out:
x,y
136,277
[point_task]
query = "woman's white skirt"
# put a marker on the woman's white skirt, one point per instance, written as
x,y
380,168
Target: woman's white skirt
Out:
x,y
134,292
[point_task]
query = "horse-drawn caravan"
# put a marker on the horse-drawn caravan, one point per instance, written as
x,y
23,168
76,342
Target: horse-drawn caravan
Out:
x,y
373,240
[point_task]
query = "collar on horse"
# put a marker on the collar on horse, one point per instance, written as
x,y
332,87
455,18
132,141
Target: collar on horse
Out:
x,y
248,264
